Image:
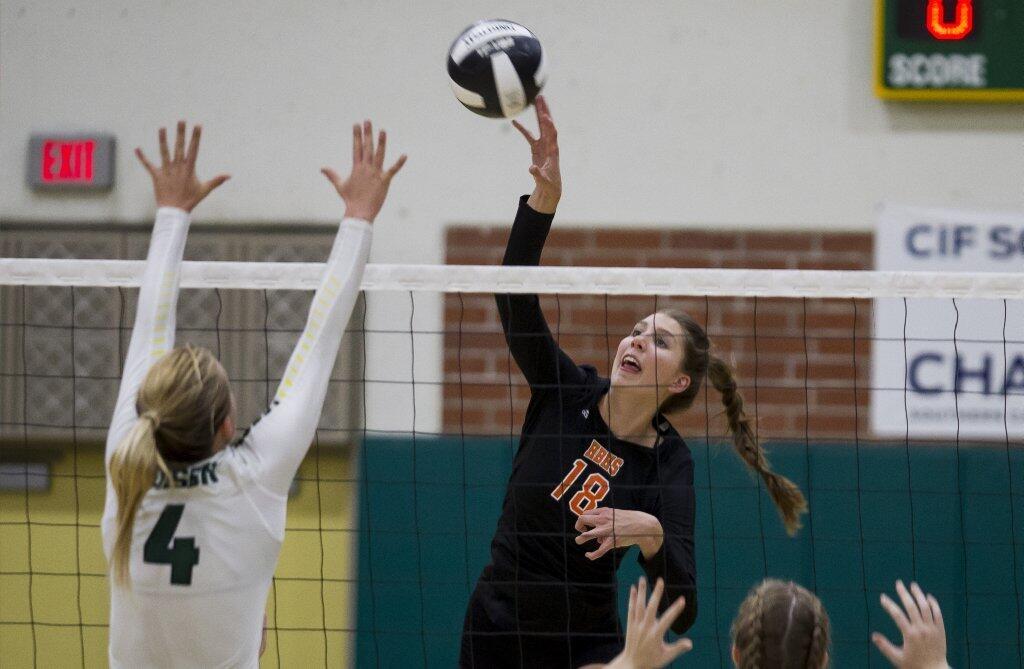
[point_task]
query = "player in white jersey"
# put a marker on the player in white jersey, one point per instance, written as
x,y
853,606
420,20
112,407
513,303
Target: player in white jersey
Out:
x,y
193,524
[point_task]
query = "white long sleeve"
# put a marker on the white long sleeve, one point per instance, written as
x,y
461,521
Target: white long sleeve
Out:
x,y
279,440
153,332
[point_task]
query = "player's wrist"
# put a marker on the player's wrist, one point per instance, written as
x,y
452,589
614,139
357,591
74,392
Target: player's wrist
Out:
x,y
620,662
544,200
653,539
173,212
176,194
175,203
361,213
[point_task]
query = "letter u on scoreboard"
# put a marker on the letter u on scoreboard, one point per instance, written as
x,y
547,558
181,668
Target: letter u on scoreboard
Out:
x,y
959,27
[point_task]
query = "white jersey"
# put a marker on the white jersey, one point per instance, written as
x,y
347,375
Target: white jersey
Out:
x,y
204,549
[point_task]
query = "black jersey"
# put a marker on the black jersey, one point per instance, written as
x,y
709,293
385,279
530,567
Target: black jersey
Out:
x,y
539,581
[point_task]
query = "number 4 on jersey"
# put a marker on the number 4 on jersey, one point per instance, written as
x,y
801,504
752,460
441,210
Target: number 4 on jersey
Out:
x,y
163,548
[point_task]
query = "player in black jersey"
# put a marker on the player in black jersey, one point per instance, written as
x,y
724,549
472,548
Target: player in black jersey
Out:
x,y
599,468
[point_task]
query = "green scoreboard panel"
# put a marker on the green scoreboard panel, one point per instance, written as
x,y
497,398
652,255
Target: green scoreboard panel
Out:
x,y
961,50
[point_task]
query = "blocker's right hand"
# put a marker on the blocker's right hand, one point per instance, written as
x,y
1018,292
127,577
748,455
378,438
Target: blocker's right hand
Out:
x,y
367,186
924,636
544,153
174,182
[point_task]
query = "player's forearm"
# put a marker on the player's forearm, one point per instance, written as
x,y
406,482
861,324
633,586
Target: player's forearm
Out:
x,y
526,330
529,232
283,435
153,331
312,360
671,564
689,615
652,540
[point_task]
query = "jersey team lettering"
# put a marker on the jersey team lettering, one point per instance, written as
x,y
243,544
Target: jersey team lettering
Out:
x,y
203,474
604,458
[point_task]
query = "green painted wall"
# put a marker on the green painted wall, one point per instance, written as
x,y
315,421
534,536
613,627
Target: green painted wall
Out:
x,y
428,509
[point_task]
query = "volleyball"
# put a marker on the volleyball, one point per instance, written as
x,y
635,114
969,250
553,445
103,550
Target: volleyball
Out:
x,y
496,68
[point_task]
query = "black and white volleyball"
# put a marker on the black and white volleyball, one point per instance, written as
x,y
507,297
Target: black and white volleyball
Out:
x,y
496,68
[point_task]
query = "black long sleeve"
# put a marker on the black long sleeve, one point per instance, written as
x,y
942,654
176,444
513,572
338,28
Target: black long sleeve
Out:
x,y
529,339
674,561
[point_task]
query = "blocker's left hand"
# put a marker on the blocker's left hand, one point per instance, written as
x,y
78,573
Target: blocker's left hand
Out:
x,y
175,183
617,528
645,646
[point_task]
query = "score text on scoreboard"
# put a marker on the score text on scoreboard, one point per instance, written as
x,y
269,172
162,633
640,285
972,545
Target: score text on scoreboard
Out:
x,y
958,50
61,162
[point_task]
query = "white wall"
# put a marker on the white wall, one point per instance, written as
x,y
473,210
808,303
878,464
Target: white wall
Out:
x,y
680,113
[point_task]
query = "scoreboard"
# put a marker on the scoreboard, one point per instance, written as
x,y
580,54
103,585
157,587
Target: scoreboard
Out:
x,y
958,50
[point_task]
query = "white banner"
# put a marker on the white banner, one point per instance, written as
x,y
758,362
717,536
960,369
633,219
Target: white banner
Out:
x,y
943,367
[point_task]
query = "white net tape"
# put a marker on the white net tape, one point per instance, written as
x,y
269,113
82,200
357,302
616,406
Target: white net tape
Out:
x,y
541,280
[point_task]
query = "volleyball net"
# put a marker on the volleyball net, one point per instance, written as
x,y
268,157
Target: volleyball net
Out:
x,y
894,400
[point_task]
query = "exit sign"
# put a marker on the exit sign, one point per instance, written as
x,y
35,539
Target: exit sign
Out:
x,y
62,162
958,50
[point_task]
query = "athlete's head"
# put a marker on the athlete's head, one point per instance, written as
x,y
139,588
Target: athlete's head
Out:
x,y
652,357
669,353
780,625
185,415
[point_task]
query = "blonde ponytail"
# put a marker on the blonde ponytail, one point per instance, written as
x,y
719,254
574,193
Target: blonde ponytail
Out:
x,y
133,468
182,403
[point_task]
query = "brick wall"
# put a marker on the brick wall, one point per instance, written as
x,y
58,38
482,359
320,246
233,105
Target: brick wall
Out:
x,y
795,360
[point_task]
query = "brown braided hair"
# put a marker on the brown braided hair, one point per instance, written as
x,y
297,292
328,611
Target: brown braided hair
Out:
x,y
698,363
781,625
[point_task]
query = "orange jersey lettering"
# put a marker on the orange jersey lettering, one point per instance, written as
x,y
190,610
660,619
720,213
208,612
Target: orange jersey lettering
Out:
x,y
603,458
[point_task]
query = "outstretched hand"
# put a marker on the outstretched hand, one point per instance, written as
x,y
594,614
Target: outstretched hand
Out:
x,y
645,646
367,186
924,637
174,182
544,153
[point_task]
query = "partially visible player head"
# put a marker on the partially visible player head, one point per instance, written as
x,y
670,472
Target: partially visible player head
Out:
x,y
668,355
780,625
186,413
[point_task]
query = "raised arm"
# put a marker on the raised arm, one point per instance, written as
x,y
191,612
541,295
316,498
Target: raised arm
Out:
x,y
281,438
529,339
177,191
